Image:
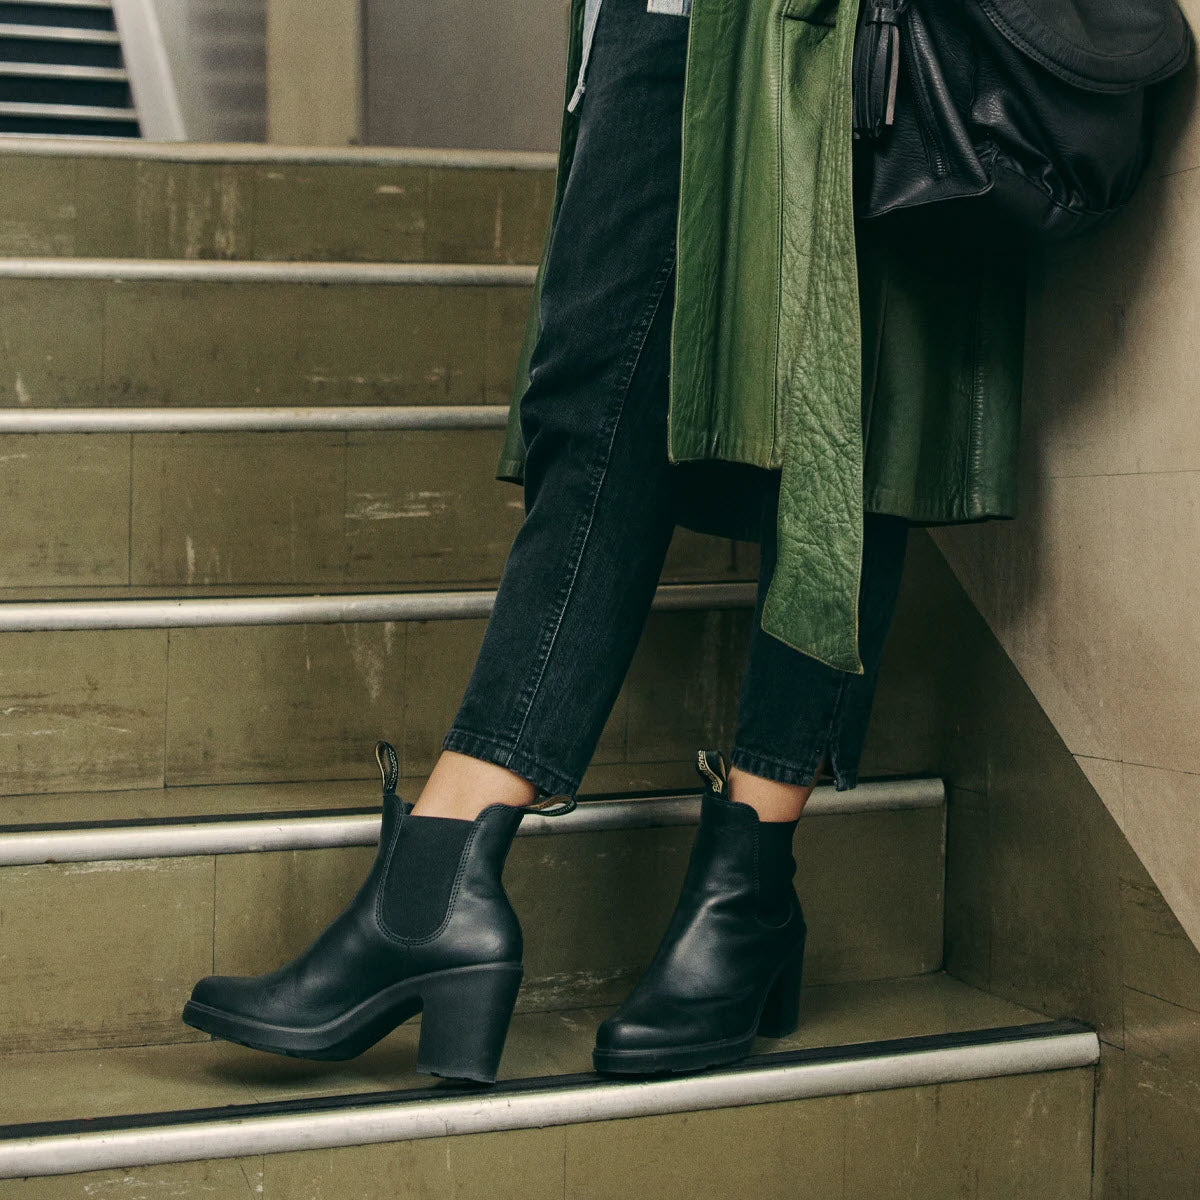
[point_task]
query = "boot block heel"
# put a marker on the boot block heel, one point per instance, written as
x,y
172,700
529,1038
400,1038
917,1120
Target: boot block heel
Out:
x,y
781,1010
464,1021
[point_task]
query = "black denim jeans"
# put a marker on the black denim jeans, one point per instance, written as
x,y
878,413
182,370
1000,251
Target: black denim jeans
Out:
x,y
599,510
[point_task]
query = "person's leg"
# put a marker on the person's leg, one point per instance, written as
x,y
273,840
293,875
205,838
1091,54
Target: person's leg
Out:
x,y
728,967
798,716
582,571
570,610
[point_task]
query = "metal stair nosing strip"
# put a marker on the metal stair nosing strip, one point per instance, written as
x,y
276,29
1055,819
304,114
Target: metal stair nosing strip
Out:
x,y
258,152
347,609
36,70
342,418
122,841
66,112
155,270
102,5
59,33
324,1123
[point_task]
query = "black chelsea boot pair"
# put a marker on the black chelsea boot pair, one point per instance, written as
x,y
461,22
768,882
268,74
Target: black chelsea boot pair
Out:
x,y
729,965
431,930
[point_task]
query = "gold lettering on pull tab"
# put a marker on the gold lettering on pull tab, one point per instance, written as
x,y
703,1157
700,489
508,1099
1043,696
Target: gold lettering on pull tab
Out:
x,y
716,782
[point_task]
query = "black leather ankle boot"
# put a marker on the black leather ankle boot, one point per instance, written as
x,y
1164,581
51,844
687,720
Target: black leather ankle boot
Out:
x,y
431,930
729,965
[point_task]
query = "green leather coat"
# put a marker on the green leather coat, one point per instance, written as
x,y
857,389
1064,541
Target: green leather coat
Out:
x,y
872,365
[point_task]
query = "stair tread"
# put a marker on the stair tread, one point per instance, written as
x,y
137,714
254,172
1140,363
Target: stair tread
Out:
x,y
69,1085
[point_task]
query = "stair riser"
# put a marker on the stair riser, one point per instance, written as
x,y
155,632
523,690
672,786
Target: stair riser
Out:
x,y
997,1139
191,344
126,208
379,509
100,94
50,50
60,126
108,710
61,16
133,937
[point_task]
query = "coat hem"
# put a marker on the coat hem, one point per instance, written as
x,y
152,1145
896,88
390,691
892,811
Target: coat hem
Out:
x,y
996,506
511,470
751,454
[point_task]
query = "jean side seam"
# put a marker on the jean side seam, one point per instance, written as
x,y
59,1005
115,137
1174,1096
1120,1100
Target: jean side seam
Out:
x,y
598,475
833,737
767,766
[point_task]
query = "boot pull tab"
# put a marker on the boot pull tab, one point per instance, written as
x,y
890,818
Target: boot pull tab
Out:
x,y
713,769
545,807
389,766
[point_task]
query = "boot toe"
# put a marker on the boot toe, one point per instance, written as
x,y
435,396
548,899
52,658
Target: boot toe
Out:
x,y
218,991
619,1034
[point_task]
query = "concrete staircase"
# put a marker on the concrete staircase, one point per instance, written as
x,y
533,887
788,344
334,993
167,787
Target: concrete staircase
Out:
x,y
62,71
250,406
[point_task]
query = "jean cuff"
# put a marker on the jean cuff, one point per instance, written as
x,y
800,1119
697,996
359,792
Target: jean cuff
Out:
x,y
548,780
781,770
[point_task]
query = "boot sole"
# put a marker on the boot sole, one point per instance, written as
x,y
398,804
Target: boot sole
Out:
x,y
676,1060
465,1017
778,1016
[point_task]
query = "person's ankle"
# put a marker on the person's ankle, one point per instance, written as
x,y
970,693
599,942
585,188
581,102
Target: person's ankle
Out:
x,y
462,786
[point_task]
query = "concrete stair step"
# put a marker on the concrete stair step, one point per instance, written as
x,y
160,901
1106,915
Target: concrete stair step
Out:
x,y
139,333
154,890
898,1087
234,201
257,701
302,511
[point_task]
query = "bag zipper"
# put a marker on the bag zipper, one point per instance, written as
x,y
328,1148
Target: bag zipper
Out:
x,y
931,138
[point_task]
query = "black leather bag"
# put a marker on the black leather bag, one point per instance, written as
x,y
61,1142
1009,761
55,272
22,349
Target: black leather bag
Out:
x,y
1038,111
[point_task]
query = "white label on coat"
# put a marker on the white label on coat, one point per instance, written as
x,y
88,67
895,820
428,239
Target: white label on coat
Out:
x,y
673,8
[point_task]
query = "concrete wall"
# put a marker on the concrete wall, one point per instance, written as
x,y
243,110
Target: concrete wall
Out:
x,y
1047,903
197,67
1095,590
314,72
465,75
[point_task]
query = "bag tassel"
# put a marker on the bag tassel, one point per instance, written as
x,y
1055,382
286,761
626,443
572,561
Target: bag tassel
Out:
x,y
876,67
